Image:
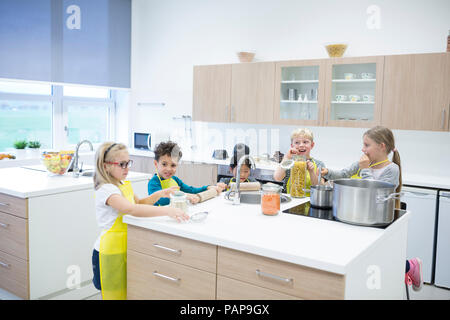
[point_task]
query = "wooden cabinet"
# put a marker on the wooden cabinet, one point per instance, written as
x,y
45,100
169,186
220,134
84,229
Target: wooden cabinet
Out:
x,y
234,93
252,92
211,93
162,266
143,164
14,265
416,93
287,278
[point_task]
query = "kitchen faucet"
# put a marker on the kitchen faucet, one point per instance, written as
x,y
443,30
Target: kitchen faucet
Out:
x,y
237,191
76,170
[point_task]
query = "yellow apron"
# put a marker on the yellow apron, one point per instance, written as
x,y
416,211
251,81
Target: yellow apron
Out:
x,y
357,176
307,183
168,183
113,254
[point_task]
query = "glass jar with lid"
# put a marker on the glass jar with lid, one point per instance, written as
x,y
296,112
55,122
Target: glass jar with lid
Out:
x,y
297,180
270,199
179,200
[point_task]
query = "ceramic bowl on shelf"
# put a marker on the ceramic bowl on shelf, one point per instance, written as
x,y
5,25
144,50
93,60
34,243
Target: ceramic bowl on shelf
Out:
x,y
354,98
336,50
341,97
349,76
245,56
367,75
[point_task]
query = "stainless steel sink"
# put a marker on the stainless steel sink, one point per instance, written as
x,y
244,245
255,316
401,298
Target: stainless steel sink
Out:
x,y
87,173
255,198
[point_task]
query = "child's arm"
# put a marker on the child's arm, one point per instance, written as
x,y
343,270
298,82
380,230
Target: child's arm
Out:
x,y
338,174
154,186
189,189
154,197
121,204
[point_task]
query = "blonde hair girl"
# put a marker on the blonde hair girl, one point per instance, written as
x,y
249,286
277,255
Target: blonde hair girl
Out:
x,y
114,197
378,143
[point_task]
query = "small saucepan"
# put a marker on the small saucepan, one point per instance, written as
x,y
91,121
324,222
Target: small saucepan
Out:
x,y
321,196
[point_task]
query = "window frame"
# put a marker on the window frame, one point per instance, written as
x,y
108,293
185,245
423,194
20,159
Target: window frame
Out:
x,y
59,111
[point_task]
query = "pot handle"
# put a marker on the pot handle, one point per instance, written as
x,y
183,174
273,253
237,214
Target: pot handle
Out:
x,y
396,196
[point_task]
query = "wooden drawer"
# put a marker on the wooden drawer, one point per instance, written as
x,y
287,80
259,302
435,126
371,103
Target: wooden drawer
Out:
x,y
230,289
14,275
13,235
180,250
13,205
292,279
154,278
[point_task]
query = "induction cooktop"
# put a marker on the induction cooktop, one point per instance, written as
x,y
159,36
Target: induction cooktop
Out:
x,y
307,210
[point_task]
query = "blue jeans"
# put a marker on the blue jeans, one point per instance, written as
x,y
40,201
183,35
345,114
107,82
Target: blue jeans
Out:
x,y
96,269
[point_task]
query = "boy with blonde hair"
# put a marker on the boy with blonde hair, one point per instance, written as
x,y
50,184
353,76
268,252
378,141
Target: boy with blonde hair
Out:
x,y
302,142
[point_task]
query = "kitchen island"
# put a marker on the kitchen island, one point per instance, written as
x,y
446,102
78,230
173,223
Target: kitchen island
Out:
x,y
47,232
239,253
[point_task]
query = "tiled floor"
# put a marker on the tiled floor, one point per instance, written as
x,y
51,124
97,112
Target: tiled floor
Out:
x,y
428,292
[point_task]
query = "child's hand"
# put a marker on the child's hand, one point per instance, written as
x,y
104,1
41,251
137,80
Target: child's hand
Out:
x,y
193,198
310,166
220,187
324,171
290,153
165,193
177,214
364,162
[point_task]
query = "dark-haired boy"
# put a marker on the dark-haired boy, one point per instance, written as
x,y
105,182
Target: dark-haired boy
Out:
x,y
167,156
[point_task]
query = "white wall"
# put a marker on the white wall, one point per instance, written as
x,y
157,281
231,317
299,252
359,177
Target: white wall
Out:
x,y
169,37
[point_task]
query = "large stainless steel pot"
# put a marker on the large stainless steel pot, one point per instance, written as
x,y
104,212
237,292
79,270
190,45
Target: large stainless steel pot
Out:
x,y
364,202
321,196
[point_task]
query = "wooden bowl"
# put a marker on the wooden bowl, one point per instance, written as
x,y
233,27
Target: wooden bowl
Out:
x,y
245,56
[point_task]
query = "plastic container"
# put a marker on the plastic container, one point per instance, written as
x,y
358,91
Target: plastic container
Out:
x,y
179,200
298,177
270,199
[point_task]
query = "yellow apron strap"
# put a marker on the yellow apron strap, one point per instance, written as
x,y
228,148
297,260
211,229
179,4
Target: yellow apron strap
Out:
x,y
357,176
113,254
165,184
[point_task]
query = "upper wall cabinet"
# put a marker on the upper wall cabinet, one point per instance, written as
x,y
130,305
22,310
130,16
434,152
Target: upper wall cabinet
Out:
x,y
299,92
416,92
211,94
353,93
236,93
252,90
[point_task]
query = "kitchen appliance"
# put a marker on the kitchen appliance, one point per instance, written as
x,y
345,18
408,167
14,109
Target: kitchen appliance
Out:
x,y
220,154
364,202
421,226
142,141
442,269
306,210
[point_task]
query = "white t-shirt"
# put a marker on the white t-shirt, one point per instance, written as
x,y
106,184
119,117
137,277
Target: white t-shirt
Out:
x,y
106,215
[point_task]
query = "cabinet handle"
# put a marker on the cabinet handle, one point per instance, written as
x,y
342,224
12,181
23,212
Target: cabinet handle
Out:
x,y
167,249
4,204
155,273
273,276
5,265
4,225
443,119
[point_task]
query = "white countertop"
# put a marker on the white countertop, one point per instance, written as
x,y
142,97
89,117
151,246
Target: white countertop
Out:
x,y
320,244
34,181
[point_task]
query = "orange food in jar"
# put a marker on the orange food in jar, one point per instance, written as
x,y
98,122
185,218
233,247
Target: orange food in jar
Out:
x,y
270,204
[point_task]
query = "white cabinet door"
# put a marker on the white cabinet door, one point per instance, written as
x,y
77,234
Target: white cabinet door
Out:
x,y
422,204
442,271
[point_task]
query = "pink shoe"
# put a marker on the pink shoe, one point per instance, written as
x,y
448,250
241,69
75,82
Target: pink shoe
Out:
x,y
415,273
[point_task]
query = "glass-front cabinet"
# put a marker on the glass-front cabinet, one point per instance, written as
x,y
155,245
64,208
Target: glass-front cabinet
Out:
x,y
354,92
343,92
299,92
